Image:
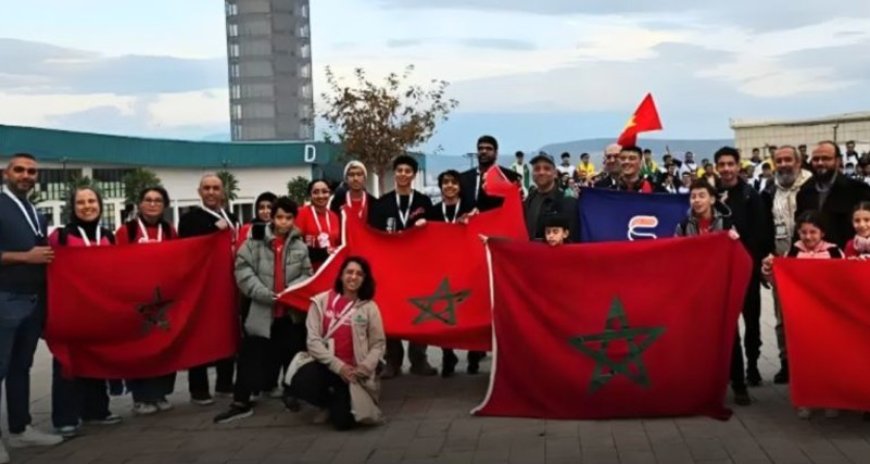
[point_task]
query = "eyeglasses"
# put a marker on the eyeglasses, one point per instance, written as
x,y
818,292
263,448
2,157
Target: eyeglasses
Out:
x,y
22,169
153,201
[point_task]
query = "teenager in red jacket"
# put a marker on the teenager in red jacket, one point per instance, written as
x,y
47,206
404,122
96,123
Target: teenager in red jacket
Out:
x,y
320,227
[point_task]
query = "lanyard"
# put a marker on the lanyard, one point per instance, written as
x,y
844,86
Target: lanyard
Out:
x,y
37,230
144,238
338,319
477,186
87,240
221,215
362,208
455,213
404,217
317,222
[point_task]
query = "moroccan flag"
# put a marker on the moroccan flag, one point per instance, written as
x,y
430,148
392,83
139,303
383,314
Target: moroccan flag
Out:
x,y
599,331
644,119
136,311
607,215
826,309
432,284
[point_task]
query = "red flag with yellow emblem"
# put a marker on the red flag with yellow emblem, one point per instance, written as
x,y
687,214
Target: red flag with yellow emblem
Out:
x,y
644,119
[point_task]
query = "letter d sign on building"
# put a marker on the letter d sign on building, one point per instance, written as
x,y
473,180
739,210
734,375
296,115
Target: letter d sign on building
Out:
x,y
310,153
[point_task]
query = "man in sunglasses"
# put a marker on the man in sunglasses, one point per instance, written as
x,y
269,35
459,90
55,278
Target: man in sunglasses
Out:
x,y
23,256
610,174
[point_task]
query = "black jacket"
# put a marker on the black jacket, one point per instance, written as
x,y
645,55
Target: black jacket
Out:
x,y
554,203
436,213
750,217
386,208
837,211
340,199
472,192
197,222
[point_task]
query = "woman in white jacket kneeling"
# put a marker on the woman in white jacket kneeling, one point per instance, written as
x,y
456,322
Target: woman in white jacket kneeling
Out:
x,y
345,344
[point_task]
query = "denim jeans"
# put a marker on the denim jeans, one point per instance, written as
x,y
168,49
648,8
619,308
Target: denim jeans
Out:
x,y
21,318
74,398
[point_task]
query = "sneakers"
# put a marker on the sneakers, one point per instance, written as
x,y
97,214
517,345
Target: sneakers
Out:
x,y
832,413
68,431
741,397
145,409
782,377
111,419
237,411
202,399
473,367
424,370
223,394
321,417
804,413
4,455
164,405
276,393
33,437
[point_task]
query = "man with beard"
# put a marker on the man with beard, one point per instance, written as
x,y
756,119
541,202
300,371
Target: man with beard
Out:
x,y
547,199
832,194
752,222
611,167
473,193
689,164
780,198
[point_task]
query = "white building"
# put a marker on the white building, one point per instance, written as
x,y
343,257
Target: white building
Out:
x,y
761,134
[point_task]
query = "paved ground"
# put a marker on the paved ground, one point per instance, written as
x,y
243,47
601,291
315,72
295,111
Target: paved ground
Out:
x,y
429,422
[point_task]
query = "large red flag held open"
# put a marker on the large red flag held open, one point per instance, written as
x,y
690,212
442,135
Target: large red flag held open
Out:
x,y
601,331
644,119
826,310
136,311
432,284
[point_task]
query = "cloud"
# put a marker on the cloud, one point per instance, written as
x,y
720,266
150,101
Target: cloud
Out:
x,y
37,68
498,44
402,43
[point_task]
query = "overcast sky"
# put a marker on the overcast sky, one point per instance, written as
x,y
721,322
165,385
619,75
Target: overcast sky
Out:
x,y
529,72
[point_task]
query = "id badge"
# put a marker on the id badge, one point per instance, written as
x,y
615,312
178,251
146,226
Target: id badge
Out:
x,y
781,231
330,345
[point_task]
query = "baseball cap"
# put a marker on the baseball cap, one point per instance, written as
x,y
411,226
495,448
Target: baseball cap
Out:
x,y
543,157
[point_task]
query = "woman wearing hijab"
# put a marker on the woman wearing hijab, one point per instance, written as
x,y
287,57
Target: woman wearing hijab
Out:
x,y
78,400
149,226
263,214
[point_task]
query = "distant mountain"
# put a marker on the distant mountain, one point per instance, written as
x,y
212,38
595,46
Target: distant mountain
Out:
x,y
219,137
595,147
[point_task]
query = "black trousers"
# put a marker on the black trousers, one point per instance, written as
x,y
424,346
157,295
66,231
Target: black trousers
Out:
x,y
752,320
396,353
259,358
314,383
153,389
473,356
197,378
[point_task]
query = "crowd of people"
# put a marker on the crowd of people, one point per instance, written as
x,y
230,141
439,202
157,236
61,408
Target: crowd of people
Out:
x,y
334,355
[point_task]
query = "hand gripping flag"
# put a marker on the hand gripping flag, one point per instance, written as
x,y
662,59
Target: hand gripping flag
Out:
x,y
608,215
136,311
826,312
644,119
599,331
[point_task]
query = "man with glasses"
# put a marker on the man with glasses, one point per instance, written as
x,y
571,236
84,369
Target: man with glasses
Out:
x,y
23,256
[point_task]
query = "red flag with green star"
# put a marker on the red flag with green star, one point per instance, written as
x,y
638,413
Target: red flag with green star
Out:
x,y
604,331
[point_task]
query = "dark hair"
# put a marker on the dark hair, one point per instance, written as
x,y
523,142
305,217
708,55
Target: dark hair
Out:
x,y
520,154
727,151
647,150
837,152
803,145
566,155
632,149
810,217
556,220
315,182
850,141
584,155
367,289
766,166
162,191
407,160
862,206
285,204
702,184
24,155
265,196
488,139
755,149
448,173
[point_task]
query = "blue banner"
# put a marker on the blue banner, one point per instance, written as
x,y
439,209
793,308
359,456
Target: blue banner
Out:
x,y
607,215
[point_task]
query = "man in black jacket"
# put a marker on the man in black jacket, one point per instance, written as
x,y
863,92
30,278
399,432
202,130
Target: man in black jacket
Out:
x,y
752,222
547,199
610,173
471,181
832,193
353,197
208,218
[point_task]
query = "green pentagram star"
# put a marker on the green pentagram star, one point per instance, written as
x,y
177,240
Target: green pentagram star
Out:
x,y
426,304
154,313
617,328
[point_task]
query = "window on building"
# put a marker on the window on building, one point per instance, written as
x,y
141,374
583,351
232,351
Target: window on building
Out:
x,y
304,31
54,184
236,111
233,30
108,218
232,8
110,182
304,111
48,212
305,71
235,91
237,131
234,70
234,50
303,11
305,91
243,211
